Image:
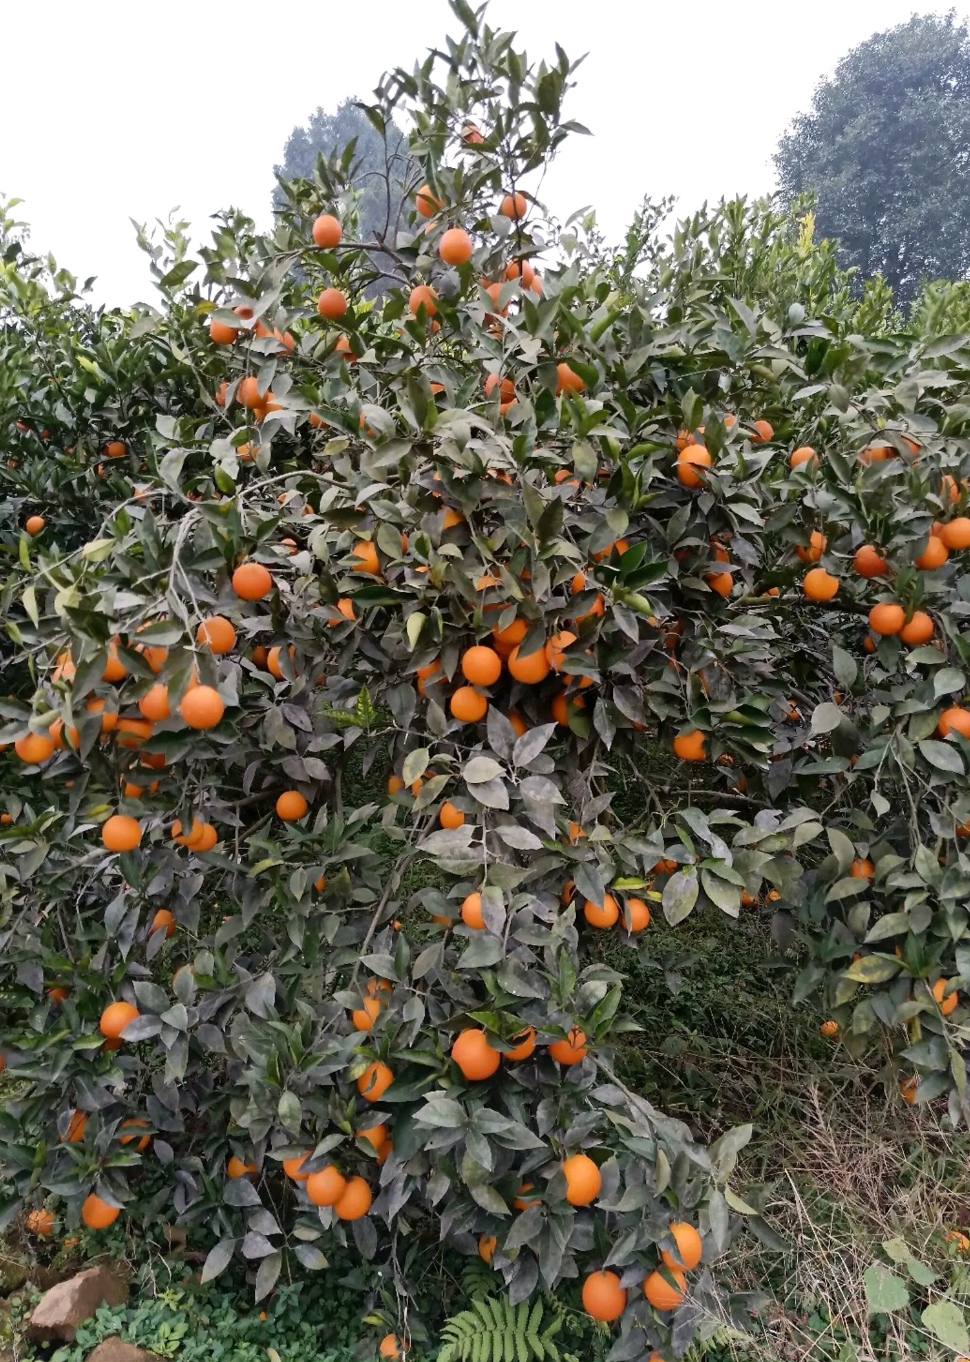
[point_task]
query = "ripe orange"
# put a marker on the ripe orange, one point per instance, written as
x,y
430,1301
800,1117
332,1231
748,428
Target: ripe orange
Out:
x,y
375,1081
290,806
473,1054
365,554
521,270
34,748
862,869
513,206
114,668
34,524
829,1029
804,454
345,607
378,1137
354,1201
467,705
689,1247
164,918
40,1223
956,533
918,629
869,562
525,1047
121,832
907,1089
391,1347
487,1244
455,246
221,333
886,618
603,914
690,458
423,296
394,784
583,1179
64,737
505,386
114,1019
331,304
57,994
248,393
571,1049
202,707
326,231
115,449
427,202
251,581
530,669
366,1015
471,911
216,633
722,583
481,666
817,544
556,646
659,1291
133,732
154,703
293,1168
956,719
75,1128
691,746
506,639
948,1003
603,1296
326,1187
763,431
135,1123
934,554
97,1214
567,380
636,915
819,585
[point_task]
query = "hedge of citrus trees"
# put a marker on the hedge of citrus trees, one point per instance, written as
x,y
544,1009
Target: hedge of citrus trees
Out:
x,y
333,628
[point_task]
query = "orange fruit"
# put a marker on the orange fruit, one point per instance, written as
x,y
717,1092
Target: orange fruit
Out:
x,y
803,454
202,707
354,1201
690,458
583,1179
603,1296
829,1029
121,832
374,1082
40,1223
948,1003
365,554
661,1294
636,915
366,1015
567,380
391,1347
326,231
378,1138
133,732
571,1049
394,784
556,646
97,1214
506,391
886,618
956,719
326,1187
293,1168
907,1089
603,914
869,562
251,581
135,1123
689,1247
221,333
956,533
114,1019
423,296
57,731
249,395
34,524
487,1244
530,669
471,911
216,633
817,544
57,994
455,246
525,1047
862,869
691,746
521,270
164,918
115,449
75,1128
481,666
331,304
934,554
345,607
34,748
507,638
819,585
763,430
290,806
513,206
720,582
467,705
918,629
154,703
427,202
114,668
473,1054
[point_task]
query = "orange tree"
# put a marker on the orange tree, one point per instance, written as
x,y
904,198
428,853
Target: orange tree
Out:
x,y
343,624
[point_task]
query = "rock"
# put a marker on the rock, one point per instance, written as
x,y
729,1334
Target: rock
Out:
x,y
66,1305
113,1349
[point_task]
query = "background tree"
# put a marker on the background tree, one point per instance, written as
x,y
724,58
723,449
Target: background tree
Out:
x,y
884,149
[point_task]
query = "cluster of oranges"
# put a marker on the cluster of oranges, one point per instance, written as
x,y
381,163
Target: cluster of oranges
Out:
x,y
605,1297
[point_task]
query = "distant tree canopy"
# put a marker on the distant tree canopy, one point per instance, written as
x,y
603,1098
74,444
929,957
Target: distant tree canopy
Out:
x,y
383,165
885,151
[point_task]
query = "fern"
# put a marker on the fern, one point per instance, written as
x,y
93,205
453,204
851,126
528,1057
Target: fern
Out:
x,y
477,1279
493,1330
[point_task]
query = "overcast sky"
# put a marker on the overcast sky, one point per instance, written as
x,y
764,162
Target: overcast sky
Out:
x,y
119,109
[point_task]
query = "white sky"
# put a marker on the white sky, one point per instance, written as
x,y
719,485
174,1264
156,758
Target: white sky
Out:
x,y
118,109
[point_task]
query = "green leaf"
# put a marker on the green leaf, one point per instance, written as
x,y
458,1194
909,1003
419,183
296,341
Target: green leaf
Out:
x,y
943,755
884,1290
920,1273
680,895
873,969
218,1259
826,717
844,667
945,1320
